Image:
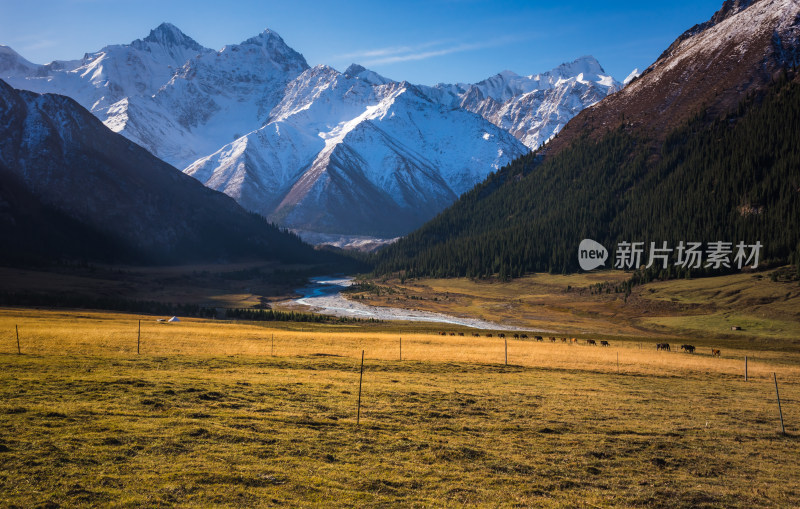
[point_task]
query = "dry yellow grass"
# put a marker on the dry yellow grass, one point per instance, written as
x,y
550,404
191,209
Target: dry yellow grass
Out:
x,y
101,333
205,416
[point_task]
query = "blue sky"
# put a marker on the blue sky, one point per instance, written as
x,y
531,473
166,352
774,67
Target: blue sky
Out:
x,y
423,42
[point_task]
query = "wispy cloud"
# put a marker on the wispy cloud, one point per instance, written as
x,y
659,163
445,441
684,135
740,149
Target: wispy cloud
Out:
x,y
431,49
393,50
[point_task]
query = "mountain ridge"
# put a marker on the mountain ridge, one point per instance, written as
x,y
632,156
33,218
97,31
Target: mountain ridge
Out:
x,y
227,117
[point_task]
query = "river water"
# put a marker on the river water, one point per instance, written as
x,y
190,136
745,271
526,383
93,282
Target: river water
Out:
x,y
323,295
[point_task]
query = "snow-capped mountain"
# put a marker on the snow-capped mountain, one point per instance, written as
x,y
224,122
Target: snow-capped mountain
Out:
x,y
356,153
100,80
314,149
167,93
220,96
534,108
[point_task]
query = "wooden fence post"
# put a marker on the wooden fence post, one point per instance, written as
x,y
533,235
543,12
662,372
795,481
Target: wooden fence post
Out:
x,y
506,350
19,352
139,337
360,379
783,430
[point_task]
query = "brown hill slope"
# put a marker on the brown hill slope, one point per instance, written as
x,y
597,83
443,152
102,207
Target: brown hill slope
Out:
x,y
710,67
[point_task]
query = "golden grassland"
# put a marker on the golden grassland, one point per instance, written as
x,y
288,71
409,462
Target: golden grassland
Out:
x,y
696,308
209,415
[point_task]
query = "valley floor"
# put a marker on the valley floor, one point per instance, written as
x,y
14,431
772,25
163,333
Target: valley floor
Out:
x,y
218,413
767,312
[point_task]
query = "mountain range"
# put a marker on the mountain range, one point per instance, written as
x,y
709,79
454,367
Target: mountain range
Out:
x,y
314,149
701,146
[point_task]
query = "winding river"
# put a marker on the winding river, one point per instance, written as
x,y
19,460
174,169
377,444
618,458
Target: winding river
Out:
x,y
323,295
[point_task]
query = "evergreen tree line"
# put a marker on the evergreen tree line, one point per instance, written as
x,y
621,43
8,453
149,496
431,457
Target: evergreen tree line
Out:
x,y
69,301
731,179
272,315
72,301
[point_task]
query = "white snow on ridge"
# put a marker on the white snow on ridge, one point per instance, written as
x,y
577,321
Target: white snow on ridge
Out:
x,y
534,108
313,148
632,76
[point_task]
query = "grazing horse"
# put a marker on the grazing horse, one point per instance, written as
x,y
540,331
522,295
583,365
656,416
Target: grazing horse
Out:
x,y
501,335
563,340
460,333
552,339
442,333
715,353
452,333
488,335
574,340
475,335
663,346
591,342
538,338
516,336
687,348
524,336
604,343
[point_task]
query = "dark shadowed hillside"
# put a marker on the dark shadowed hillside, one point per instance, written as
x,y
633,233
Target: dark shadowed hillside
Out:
x,y
72,189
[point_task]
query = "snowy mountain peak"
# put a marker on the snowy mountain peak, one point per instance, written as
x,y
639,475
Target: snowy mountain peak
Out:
x,y
270,44
13,62
586,65
364,74
168,35
354,70
265,38
534,108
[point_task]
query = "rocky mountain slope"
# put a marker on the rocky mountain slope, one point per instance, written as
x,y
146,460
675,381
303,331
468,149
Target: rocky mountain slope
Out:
x,y
70,187
314,149
709,67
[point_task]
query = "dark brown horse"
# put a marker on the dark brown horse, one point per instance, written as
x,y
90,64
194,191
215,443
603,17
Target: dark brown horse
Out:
x,y
662,346
687,348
